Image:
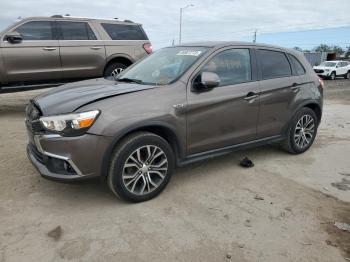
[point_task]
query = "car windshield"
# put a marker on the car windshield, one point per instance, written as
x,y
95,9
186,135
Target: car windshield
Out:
x,y
328,64
163,67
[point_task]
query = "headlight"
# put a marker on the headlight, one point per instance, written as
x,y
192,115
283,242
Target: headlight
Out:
x,y
70,124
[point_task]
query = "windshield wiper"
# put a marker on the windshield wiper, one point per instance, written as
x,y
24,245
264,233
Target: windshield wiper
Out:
x,y
130,80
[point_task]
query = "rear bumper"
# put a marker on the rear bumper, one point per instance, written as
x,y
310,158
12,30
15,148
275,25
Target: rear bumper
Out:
x,y
67,158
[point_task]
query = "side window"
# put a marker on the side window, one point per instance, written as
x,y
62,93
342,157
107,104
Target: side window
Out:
x,y
124,32
297,66
273,64
232,66
76,31
36,30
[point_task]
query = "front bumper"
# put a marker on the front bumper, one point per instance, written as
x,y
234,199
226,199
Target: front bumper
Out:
x,y
323,74
67,158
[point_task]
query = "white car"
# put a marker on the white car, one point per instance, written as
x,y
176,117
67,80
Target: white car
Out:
x,y
332,69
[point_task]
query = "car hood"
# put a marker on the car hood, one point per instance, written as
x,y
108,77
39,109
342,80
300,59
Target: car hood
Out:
x,y
70,97
323,67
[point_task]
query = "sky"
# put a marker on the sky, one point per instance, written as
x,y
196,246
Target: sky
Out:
x,y
304,23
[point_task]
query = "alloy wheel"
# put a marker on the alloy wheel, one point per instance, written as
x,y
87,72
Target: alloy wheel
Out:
x,y
144,170
304,131
117,71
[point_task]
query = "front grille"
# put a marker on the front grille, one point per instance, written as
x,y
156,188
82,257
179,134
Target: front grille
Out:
x,y
319,71
32,118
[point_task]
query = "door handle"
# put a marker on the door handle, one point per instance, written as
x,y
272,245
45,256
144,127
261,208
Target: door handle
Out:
x,y
251,96
295,87
96,48
49,48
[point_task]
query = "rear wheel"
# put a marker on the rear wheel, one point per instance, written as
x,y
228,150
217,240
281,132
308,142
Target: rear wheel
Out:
x,y
301,132
114,69
347,75
332,76
141,167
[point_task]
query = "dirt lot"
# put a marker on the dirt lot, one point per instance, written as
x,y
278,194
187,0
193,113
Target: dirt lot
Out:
x,y
283,209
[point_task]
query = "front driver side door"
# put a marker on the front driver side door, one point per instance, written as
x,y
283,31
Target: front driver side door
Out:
x,y
226,115
36,58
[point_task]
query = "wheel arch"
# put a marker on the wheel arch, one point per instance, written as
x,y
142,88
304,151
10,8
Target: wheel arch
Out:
x,y
313,105
164,130
119,58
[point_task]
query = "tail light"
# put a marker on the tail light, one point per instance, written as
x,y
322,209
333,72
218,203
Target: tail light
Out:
x,y
148,48
321,82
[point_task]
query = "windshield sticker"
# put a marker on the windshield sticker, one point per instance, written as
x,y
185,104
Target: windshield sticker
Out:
x,y
189,52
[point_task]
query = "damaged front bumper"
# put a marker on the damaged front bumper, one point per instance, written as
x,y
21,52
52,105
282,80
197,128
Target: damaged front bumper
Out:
x,y
66,158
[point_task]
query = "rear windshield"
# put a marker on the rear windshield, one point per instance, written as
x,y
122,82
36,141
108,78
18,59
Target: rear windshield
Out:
x,y
125,32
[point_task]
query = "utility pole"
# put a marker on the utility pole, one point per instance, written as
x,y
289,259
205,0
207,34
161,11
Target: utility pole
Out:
x,y
254,39
181,10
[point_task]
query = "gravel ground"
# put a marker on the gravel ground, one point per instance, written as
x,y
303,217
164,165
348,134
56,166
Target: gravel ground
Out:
x,y
283,209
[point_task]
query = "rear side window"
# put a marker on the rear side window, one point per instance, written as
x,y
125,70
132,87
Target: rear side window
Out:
x,y
273,64
124,32
76,31
232,66
36,30
297,66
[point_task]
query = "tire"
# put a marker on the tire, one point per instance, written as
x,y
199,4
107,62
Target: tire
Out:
x,y
347,75
137,181
332,76
114,69
293,142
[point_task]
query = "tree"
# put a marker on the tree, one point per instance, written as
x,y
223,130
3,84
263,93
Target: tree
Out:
x,y
347,52
338,50
323,48
298,48
329,49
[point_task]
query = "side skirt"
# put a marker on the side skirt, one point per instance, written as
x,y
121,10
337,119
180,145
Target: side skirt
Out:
x,y
228,149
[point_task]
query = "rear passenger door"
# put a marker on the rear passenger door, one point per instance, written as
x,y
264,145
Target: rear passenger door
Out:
x,y
343,68
82,54
279,87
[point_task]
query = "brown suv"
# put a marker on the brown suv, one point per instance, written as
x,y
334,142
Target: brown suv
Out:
x,y
179,105
41,50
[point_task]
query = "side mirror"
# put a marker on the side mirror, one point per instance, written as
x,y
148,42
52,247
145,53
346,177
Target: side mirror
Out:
x,y
206,81
14,37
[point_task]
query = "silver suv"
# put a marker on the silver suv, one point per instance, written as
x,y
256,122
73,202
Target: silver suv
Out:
x,y
41,50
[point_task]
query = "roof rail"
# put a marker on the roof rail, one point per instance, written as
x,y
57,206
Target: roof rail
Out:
x,y
128,21
57,16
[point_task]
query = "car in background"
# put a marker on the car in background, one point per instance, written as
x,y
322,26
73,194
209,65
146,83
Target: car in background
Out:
x,y
39,51
179,105
333,69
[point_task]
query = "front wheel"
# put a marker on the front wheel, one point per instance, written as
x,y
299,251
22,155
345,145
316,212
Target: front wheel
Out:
x,y
332,76
301,132
140,167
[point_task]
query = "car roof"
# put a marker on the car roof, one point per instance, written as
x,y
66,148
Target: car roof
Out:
x,y
335,61
219,44
76,18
